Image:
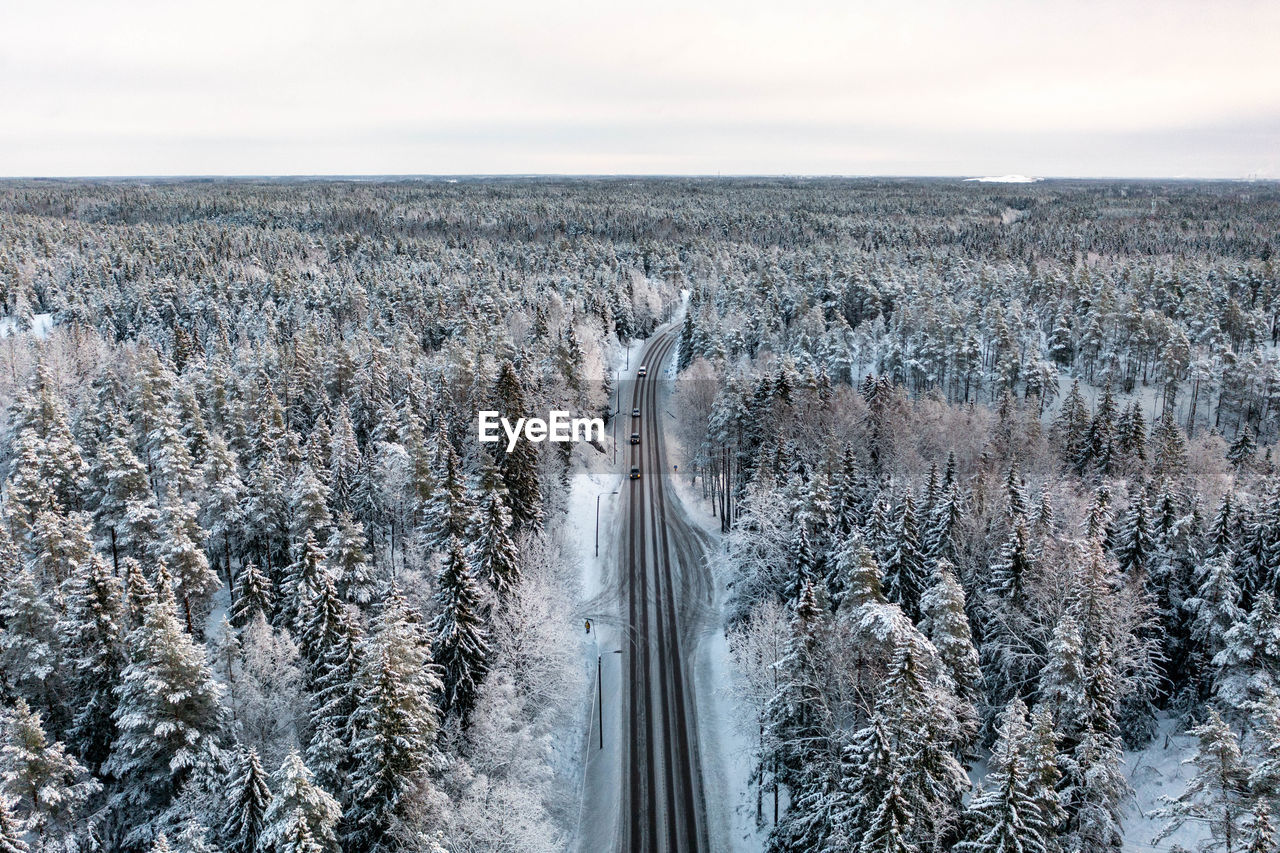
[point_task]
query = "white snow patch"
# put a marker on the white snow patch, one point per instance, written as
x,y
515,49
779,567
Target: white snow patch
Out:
x,y
39,327
1005,179
1156,773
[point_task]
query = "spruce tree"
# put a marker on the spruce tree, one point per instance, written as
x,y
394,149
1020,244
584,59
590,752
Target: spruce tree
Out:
x,y
1136,545
182,550
1260,835
94,627
796,724
1249,661
52,788
687,354
253,595
1011,571
302,581
349,563
298,802
449,512
221,511
904,571
323,622
394,726
335,697
308,507
1072,427
940,542
859,575
1004,817
31,653
28,491
461,635
1044,776
250,800
1218,795
496,556
945,624
1169,446
1062,684
1240,454
1215,608
297,837
169,710
520,467
890,827
126,508
11,832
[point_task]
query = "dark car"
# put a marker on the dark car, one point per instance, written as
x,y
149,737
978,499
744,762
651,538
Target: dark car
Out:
x,y
635,413
635,472
642,372
635,438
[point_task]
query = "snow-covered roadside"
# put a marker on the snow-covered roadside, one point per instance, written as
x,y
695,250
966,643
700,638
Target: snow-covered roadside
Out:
x,y
723,733
725,747
597,481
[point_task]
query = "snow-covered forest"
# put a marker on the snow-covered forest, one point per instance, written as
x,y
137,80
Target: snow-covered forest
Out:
x,y
262,589
995,471
993,465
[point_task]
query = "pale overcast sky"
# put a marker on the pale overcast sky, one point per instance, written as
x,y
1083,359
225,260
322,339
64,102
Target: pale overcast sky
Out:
x,y
1070,87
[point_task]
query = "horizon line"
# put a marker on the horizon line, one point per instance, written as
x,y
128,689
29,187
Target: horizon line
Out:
x,y
478,176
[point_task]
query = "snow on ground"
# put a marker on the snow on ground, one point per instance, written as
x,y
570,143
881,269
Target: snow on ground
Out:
x,y
723,732
40,326
1155,773
598,476
1005,179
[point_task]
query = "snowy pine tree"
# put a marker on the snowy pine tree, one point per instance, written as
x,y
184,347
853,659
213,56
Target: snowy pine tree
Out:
x,y
253,595
461,635
94,625
945,624
904,571
349,563
1005,817
168,710
11,832
394,726
250,800
299,802
496,556
51,787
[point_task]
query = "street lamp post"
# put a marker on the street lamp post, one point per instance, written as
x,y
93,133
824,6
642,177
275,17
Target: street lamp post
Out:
x,y
598,521
600,691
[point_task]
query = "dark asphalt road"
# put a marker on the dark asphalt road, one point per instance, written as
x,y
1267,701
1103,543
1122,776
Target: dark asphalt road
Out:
x,y
666,592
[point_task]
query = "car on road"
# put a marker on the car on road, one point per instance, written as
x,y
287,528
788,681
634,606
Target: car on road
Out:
x,y
635,472
635,438
642,372
635,413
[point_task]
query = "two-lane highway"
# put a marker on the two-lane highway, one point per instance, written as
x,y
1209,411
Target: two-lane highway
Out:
x,y
666,591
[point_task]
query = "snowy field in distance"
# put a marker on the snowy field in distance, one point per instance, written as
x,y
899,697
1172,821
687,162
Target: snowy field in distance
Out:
x,y
1004,179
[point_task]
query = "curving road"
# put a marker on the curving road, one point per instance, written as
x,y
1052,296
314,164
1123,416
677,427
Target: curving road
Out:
x,y
666,591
